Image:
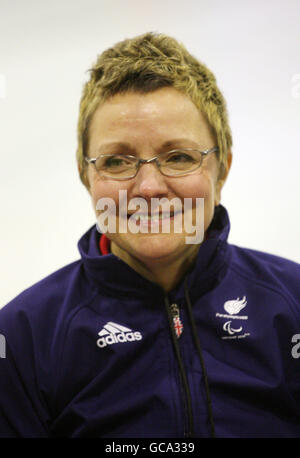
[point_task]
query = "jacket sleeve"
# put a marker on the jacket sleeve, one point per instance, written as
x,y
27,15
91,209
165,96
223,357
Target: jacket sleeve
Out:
x,y
23,412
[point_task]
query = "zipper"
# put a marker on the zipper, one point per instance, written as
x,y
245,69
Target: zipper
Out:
x,y
177,324
199,351
174,322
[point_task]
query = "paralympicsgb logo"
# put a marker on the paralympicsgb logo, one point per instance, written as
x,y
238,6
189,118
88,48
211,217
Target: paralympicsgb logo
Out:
x,y
235,306
232,308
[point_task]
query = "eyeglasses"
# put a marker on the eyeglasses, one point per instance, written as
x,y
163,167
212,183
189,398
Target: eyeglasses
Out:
x,y
173,163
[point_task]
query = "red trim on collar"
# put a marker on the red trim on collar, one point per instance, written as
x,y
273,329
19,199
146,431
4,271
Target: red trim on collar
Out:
x,y
104,244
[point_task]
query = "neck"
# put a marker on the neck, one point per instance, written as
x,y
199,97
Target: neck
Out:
x,y
165,273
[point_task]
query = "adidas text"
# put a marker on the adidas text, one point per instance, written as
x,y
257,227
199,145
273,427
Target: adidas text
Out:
x,y
121,337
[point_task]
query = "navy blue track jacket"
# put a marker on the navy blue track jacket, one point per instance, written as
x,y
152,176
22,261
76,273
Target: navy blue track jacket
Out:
x,y
96,350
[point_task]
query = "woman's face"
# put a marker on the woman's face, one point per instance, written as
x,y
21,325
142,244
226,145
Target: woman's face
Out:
x,y
145,125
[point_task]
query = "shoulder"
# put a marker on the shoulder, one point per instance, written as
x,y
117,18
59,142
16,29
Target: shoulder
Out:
x,y
52,286
48,304
270,271
254,261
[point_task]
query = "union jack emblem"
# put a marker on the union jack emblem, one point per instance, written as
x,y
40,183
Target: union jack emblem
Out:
x,y
178,326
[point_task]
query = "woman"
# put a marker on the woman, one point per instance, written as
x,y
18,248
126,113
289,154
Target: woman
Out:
x,y
148,335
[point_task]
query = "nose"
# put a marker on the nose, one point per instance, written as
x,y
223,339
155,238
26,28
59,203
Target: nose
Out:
x,y
149,182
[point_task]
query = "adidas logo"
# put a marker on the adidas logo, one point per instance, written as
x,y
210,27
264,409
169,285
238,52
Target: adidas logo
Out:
x,y
113,333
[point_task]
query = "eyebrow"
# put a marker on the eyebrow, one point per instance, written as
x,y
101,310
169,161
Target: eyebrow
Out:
x,y
177,142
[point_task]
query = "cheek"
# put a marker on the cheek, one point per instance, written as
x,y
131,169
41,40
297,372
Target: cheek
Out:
x,y
196,186
100,188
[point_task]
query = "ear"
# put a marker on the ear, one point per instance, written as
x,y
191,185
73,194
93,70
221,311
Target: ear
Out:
x,y
224,170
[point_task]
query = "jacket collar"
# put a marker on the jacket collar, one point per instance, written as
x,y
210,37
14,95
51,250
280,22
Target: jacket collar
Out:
x,y
113,276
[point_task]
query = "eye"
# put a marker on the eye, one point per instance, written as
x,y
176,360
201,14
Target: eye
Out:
x,y
113,161
179,157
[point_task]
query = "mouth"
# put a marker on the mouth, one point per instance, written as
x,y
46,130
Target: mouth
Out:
x,y
151,217
152,220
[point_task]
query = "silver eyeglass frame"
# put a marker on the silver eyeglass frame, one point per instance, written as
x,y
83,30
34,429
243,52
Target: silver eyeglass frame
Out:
x,y
155,159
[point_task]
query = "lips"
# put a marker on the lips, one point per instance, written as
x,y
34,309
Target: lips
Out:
x,y
150,217
154,221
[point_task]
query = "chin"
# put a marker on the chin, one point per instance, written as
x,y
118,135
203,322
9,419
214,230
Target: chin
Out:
x,y
157,247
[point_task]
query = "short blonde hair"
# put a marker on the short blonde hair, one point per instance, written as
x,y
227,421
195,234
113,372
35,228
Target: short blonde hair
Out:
x,y
146,63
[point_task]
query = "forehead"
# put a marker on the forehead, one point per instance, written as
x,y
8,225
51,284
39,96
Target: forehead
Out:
x,y
156,117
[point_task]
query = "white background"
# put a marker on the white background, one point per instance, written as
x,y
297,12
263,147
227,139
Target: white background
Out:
x,y
46,48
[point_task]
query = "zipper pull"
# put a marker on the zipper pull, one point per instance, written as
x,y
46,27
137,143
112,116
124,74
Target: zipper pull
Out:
x,y
178,326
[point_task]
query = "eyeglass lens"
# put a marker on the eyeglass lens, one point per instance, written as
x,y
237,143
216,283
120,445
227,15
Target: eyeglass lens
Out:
x,y
171,163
